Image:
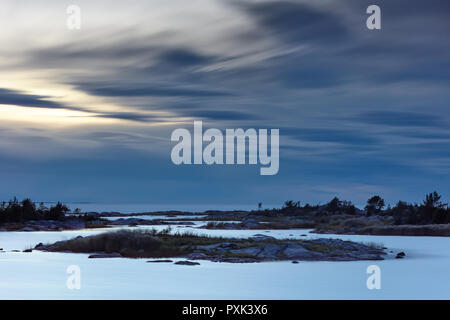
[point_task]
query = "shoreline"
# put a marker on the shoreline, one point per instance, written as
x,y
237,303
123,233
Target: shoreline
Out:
x,y
234,220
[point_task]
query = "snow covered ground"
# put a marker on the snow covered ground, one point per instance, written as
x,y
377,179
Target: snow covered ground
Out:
x,y
423,274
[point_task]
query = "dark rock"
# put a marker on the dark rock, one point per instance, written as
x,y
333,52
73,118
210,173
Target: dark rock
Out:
x,y
235,260
250,225
250,251
229,246
27,229
39,245
262,237
270,252
400,255
187,263
295,261
158,261
297,251
105,255
27,250
197,256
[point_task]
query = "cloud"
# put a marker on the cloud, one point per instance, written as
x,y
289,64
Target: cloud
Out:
x,y
129,116
297,22
181,57
220,115
330,135
402,119
19,98
137,90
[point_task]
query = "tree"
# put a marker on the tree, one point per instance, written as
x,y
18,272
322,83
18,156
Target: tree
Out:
x,y
334,205
432,200
374,205
291,207
292,204
57,212
432,210
15,211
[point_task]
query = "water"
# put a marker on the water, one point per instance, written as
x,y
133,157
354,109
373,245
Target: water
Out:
x,y
153,217
423,274
151,207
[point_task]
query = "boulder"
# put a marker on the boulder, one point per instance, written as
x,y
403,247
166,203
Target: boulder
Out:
x,y
262,237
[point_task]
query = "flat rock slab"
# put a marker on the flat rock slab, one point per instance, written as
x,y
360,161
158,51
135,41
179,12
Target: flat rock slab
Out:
x,y
187,263
105,255
159,261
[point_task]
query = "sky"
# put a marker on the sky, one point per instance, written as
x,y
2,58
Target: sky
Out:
x,y
87,115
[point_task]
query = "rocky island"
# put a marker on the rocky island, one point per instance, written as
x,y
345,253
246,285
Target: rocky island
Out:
x,y
164,244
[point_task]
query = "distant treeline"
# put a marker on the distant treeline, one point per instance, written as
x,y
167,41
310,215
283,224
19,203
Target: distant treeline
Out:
x,y
430,211
15,211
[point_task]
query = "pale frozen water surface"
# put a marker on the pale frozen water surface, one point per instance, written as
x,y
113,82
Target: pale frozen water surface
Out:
x,y
153,217
423,274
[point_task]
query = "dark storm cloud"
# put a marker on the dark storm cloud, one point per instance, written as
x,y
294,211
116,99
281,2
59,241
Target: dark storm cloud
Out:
x,y
137,90
116,137
182,57
402,119
128,116
147,50
219,115
297,22
19,98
